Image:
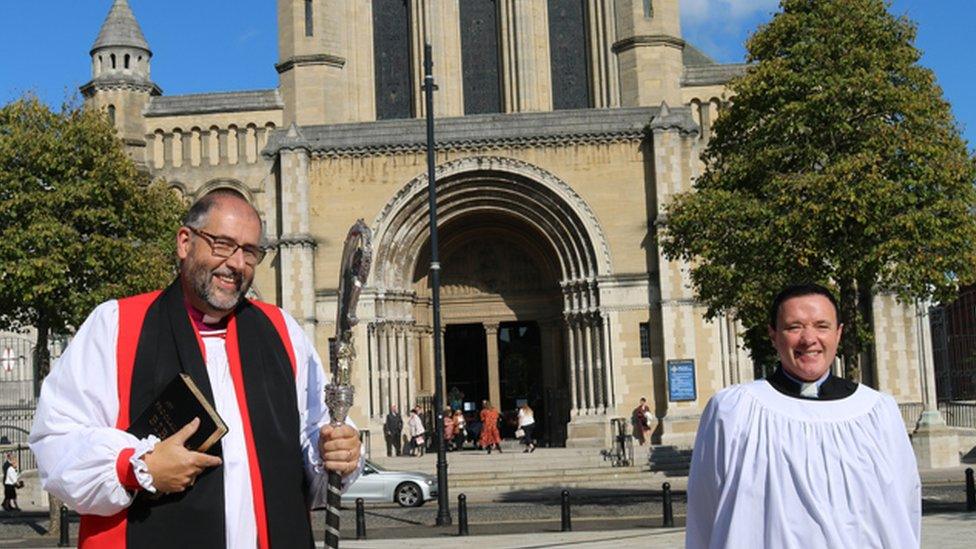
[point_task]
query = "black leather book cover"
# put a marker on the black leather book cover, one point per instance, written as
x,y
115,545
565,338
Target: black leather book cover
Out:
x,y
177,405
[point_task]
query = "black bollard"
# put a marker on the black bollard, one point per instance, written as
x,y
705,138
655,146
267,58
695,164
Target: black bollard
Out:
x,y
64,541
668,510
567,524
360,519
462,515
970,490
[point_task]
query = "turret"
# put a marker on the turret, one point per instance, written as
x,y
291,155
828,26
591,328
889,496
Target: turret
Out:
x,y
120,81
648,49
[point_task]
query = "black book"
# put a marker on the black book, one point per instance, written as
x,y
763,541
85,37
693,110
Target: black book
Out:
x,y
177,405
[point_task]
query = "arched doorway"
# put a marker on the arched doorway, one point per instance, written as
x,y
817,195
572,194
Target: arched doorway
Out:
x,y
522,255
501,307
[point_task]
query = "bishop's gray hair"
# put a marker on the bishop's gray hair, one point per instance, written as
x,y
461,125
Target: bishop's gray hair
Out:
x,y
197,215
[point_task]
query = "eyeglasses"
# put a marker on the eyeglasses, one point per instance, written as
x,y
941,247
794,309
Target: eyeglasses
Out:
x,y
225,247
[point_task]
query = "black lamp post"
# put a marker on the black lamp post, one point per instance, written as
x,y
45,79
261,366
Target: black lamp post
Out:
x,y
443,509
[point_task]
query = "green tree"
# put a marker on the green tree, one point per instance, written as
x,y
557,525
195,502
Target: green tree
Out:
x,y
839,162
79,224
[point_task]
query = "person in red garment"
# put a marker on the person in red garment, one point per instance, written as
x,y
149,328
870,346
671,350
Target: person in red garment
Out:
x,y
252,362
489,428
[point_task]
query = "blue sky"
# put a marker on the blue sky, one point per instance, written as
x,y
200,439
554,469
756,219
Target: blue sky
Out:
x,y
221,45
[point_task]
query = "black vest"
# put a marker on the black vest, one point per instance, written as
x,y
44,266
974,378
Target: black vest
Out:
x,y
195,518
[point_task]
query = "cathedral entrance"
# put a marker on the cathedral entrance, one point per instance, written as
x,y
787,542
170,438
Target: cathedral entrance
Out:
x,y
520,369
520,254
465,366
501,305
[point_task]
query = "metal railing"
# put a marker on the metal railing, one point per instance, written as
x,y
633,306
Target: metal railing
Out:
x,y
621,454
959,414
956,414
910,412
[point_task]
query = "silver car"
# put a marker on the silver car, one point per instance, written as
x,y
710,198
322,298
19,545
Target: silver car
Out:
x,y
403,487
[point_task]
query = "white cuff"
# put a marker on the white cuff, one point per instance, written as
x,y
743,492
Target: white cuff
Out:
x,y
144,446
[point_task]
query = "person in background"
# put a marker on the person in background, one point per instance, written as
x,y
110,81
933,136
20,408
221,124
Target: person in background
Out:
x,y
393,431
460,430
642,427
449,431
526,423
490,437
415,429
11,481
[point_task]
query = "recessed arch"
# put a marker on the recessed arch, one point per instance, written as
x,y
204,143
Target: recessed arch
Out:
x,y
502,185
223,183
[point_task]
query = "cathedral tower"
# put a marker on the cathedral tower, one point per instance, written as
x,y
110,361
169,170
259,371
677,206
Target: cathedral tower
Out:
x,y
649,49
120,81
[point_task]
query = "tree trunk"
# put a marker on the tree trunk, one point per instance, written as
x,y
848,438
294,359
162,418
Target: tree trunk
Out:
x,y
42,366
850,342
865,307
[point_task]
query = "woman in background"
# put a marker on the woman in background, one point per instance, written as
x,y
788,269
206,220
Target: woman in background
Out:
x,y
415,428
460,432
11,481
526,423
489,430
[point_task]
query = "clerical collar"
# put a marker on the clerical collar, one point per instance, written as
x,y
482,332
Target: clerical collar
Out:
x,y
808,389
828,387
202,321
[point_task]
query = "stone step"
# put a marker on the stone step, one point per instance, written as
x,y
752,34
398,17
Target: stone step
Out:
x,y
540,460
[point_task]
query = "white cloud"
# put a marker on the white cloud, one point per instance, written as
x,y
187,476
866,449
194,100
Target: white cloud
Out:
x,y
700,11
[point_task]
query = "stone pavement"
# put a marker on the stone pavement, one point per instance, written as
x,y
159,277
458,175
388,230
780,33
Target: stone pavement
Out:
x,y
943,531
939,531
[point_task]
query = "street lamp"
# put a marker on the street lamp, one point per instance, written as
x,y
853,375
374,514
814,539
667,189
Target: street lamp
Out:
x,y
443,510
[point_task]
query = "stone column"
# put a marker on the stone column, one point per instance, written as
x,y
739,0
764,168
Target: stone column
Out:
x,y
296,245
375,408
411,362
491,345
586,352
401,377
389,357
574,378
610,384
936,445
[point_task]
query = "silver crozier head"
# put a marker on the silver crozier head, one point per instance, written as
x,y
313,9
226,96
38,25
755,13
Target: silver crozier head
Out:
x,y
357,257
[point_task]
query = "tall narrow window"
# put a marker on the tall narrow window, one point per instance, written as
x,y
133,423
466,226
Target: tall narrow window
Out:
x,y
126,61
479,56
567,54
308,18
112,57
645,340
391,58
111,114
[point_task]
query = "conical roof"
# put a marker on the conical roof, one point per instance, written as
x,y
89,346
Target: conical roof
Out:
x,y
120,29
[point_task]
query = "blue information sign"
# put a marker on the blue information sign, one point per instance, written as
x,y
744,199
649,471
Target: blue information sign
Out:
x,y
681,380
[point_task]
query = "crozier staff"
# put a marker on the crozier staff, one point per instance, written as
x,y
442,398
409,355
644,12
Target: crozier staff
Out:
x,y
251,360
803,458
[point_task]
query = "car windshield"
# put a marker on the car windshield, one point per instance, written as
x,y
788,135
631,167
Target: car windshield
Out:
x,y
375,466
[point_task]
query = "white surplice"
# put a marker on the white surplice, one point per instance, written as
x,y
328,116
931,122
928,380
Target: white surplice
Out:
x,y
770,470
76,443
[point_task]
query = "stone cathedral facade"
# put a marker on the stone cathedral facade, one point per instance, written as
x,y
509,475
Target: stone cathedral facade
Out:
x,y
563,127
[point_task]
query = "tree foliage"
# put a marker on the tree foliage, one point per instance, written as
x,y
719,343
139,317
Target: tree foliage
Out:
x,y
79,224
839,162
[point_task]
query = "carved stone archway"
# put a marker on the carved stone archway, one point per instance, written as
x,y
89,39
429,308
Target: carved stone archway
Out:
x,y
503,192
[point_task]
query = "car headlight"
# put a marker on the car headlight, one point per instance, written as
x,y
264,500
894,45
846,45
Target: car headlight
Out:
x,y
430,482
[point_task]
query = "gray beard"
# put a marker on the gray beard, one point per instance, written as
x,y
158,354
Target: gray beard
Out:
x,y
201,280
